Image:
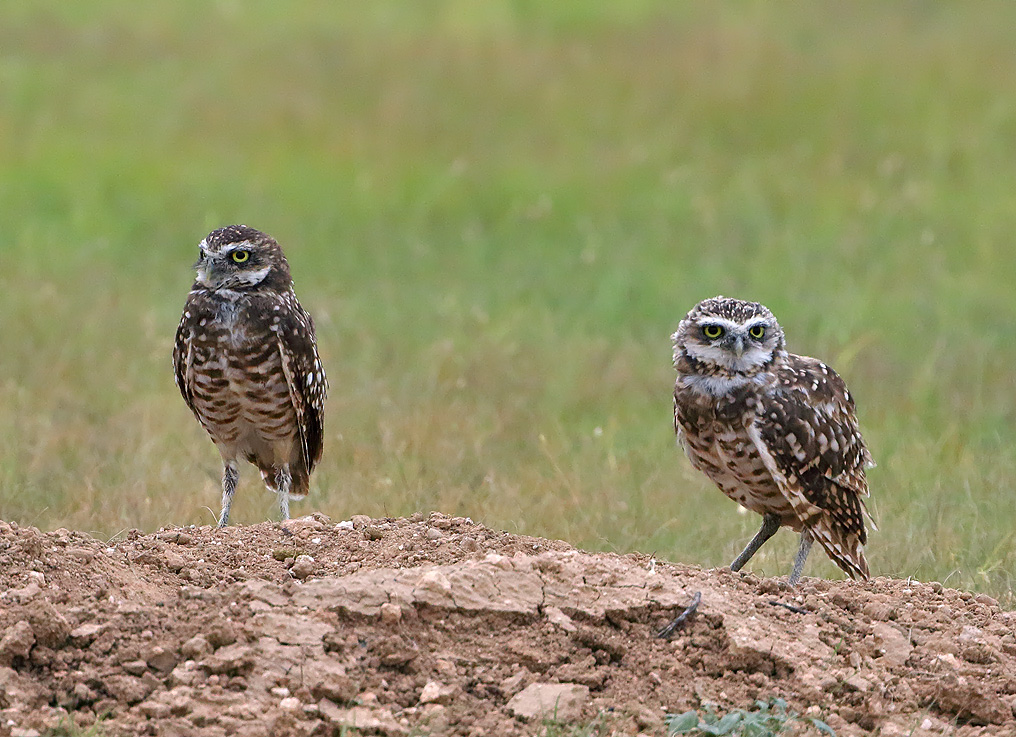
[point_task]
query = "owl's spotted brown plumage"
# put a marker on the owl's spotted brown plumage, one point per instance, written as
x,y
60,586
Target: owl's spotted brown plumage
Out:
x,y
247,364
775,431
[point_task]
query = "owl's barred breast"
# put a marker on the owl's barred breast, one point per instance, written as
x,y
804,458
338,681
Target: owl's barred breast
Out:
x,y
240,392
714,432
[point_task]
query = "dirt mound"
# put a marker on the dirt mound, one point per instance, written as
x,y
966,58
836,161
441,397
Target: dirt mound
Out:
x,y
440,626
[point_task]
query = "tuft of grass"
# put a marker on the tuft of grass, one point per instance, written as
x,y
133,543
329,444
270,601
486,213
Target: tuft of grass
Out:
x,y
69,728
598,727
768,719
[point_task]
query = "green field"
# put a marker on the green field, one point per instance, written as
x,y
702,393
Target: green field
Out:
x,y
498,212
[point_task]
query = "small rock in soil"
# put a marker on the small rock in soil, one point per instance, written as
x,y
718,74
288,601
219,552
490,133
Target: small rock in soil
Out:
x,y
562,701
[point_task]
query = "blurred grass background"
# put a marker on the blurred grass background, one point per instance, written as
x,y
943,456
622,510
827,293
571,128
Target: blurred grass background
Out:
x,y
498,212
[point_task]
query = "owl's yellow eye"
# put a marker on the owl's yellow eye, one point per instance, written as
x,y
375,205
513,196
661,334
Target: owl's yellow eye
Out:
x,y
712,331
241,256
757,332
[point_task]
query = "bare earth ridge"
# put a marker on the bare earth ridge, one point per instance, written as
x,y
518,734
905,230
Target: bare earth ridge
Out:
x,y
437,625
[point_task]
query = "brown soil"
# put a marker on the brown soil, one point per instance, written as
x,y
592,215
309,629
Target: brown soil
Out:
x,y
440,626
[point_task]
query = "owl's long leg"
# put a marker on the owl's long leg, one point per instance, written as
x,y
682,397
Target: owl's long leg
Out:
x,y
283,482
802,555
770,524
230,477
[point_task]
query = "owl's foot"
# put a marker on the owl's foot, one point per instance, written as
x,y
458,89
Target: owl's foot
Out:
x,y
671,628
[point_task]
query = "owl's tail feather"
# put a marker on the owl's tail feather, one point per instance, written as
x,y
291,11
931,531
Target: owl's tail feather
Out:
x,y
844,549
299,486
834,516
301,483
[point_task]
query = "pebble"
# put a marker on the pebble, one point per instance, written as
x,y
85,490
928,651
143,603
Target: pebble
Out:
x,y
84,634
82,554
195,648
303,566
135,667
391,613
159,658
437,693
559,619
985,599
301,524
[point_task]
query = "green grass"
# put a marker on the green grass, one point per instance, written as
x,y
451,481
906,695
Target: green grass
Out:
x,y
69,728
498,212
767,719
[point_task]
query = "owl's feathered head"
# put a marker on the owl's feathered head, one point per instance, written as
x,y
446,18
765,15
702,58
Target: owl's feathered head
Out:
x,y
240,257
724,335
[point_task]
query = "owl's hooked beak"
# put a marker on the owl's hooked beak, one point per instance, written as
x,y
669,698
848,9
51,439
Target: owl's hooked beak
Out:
x,y
204,266
737,344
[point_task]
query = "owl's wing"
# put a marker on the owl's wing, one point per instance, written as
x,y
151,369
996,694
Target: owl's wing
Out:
x,y
305,377
807,435
183,360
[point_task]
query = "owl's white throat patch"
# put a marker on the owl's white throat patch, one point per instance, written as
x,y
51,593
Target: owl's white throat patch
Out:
x,y
717,386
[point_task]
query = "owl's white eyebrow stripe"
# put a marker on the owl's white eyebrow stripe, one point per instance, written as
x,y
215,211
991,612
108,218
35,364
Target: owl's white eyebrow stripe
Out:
x,y
731,324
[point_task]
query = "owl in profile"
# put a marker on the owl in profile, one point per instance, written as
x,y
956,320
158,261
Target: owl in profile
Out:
x,y
776,432
247,364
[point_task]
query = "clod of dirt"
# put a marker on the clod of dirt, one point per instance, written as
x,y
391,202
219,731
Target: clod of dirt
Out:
x,y
302,567
84,635
893,645
439,625
49,625
367,720
436,693
560,701
17,642
971,702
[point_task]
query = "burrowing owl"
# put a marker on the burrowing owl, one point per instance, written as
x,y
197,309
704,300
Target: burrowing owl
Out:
x,y
247,363
775,431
